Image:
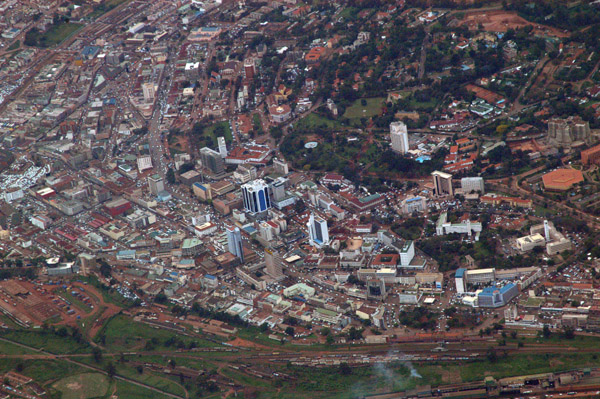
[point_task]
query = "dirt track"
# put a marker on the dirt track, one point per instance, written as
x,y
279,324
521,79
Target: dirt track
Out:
x,y
501,21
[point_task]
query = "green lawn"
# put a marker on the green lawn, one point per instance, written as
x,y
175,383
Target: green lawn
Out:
x,y
219,129
524,365
105,7
40,370
150,378
7,348
313,120
47,341
257,123
127,390
357,110
57,33
544,212
124,334
83,386
245,379
14,46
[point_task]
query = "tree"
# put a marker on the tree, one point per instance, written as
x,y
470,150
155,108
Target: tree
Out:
x,y
492,356
170,176
161,298
546,333
568,332
111,370
97,354
290,331
345,369
354,334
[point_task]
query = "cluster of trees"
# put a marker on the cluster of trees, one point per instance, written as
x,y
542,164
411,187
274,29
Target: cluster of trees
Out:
x,y
389,161
419,317
35,38
556,13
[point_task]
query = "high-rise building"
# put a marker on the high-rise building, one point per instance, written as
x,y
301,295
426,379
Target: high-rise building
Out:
x,y
148,89
222,147
442,184
212,161
250,68
591,155
156,184
565,132
317,231
399,136
274,264
470,184
234,242
256,196
280,166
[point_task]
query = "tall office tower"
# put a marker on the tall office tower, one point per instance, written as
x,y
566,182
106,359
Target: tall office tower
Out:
x,y
547,231
317,231
148,89
280,166
212,161
274,264
250,68
234,242
256,196
469,184
399,136
156,184
442,183
222,147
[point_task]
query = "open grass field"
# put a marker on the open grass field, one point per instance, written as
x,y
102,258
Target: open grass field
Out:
x,y
83,386
47,341
357,110
14,46
151,379
127,390
57,33
124,334
105,7
219,129
313,120
7,348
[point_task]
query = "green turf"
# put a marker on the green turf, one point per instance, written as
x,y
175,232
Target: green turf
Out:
x,y
127,390
223,127
313,120
7,348
47,341
357,110
105,7
14,46
124,334
83,386
57,33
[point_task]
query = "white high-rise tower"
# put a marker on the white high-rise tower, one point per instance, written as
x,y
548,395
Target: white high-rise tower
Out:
x,y
546,231
222,147
399,136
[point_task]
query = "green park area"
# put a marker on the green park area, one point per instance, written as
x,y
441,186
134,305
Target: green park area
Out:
x,y
205,135
53,36
105,7
83,386
121,333
364,108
